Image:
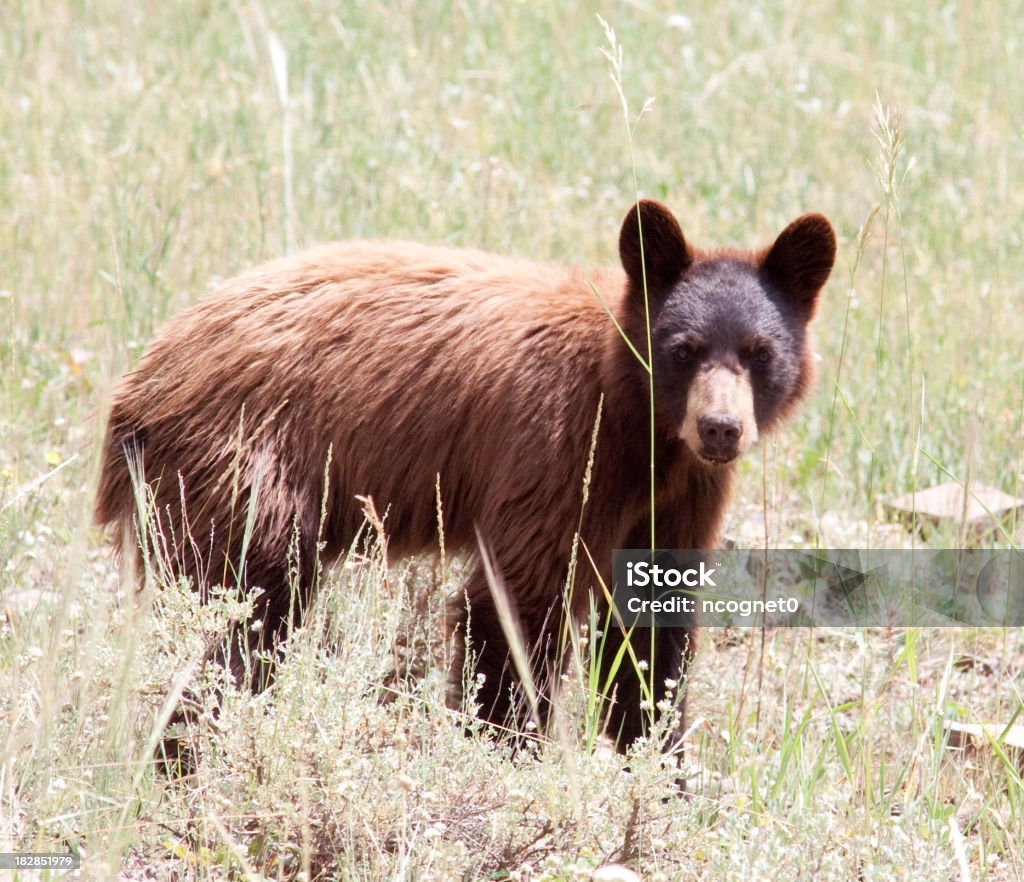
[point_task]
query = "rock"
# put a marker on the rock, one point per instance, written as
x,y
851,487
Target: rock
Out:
x,y
981,512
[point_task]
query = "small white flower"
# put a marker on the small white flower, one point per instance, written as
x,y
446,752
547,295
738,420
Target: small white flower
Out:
x,y
680,22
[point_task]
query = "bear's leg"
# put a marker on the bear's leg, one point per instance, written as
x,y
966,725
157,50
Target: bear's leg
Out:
x,y
501,698
252,647
248,652
662,654
662,658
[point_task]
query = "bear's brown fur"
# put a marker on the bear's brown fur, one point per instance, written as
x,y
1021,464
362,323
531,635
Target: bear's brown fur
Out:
x,y
410,362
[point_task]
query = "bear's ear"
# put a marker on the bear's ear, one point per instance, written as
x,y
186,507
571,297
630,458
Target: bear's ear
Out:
x,y
665,252
801,259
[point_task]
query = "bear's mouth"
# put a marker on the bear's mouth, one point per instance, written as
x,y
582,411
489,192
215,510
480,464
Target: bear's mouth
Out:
x,y
716,460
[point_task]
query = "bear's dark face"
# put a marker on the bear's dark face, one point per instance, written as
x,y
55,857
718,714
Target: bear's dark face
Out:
x,y
729,331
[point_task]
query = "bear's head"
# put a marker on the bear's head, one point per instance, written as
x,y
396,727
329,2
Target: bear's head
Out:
x,y
728,329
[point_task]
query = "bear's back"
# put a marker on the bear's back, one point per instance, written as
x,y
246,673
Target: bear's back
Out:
x,y
406,361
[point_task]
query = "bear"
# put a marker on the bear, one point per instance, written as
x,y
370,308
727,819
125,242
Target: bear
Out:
x,y
385,370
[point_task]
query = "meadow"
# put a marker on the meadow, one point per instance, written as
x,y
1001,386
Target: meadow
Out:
x,y
148,150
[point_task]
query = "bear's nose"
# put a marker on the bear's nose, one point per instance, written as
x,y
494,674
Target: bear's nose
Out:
x,y
720,434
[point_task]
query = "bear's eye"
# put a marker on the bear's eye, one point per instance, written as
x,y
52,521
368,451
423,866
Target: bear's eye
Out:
x,y
683,353
763,355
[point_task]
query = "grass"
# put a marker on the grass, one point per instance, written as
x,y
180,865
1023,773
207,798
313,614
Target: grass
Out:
x,y
148,150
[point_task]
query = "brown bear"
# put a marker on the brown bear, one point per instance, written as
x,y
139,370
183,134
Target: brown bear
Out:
x,y
414,364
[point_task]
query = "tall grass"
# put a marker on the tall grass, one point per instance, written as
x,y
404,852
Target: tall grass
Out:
x,y
148,151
